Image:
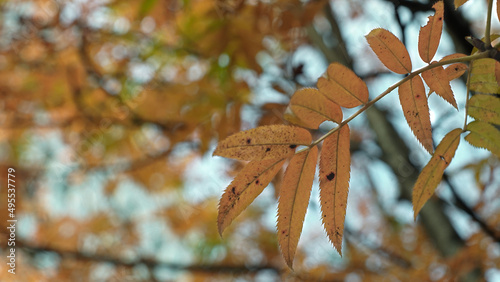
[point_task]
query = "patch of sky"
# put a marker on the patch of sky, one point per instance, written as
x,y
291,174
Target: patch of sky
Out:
x,y
204,180
47,261
99,18
27,225
70,12
141,72
121,25
102,271
148,24
130,201
463,224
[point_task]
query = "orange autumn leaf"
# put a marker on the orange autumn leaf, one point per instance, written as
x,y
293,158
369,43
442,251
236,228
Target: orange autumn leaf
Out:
x,y
459,3
498,9
312,108
293,201
343,86
416,111
453,56
455,70
334,173
431,175
430,34
437,80
245,187
264,142
390,50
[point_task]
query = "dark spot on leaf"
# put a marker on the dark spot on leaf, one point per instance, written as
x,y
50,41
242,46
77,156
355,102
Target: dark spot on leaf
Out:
x,y
233,190
444,160
440,18
249,140
257,181
330,176
293,146
268,149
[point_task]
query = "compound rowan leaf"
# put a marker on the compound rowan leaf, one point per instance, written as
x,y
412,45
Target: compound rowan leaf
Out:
x,y
416,111
334,173
313,108
245,187
484,135
430,34
343,86
485,107
431,175
263,142
437,80
390,50
293,201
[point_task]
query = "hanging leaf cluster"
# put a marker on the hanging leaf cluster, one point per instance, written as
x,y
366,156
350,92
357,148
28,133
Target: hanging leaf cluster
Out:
x,y
269,148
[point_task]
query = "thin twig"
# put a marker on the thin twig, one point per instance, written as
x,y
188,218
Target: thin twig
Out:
x,y
487,30
150,262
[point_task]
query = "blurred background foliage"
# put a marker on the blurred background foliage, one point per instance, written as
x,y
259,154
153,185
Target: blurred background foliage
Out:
x,y
110,110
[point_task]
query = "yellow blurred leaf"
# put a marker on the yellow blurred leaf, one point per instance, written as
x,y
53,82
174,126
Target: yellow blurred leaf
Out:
x,y
312,108
390,50
430,34
264,142
485,107
343,86
416,111
483,77
431,175
484,135
245,187
334,173
294,199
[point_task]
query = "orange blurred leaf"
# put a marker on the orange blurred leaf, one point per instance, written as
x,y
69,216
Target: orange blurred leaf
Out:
x,y
263,142
294,199
245,187
459,3
437,80
343,86
416,111
334,173
430,34
431,175
390,50
312,108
